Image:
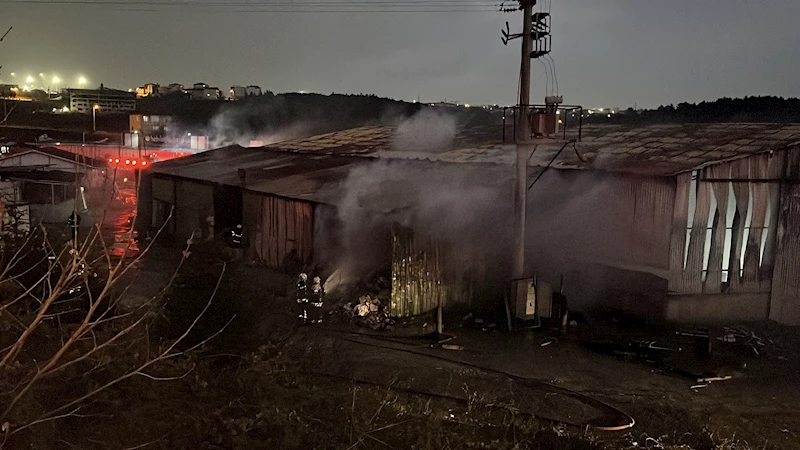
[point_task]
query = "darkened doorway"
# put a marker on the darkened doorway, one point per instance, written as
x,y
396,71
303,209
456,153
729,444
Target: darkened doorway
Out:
x,y
227,207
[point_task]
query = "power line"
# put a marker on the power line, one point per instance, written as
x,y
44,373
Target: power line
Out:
x,y
270,4
282,6
319,11
254,2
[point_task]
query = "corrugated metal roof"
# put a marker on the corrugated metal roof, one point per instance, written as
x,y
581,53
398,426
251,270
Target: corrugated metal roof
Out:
x,y
281,173
296,175
301,168
653,150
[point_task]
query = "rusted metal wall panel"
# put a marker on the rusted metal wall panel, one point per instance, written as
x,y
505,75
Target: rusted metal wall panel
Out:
x,y
748,274
278,229
785,300
760,194
427,273
651,202
616,220
741,193
713,281
693,271
680,221
417,280
776,165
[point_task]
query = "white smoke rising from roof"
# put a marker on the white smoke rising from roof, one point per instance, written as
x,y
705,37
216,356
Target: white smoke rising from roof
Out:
x,y
427,131
466,206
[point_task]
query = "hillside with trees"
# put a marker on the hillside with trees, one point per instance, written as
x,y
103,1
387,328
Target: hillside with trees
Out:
x,y
748,109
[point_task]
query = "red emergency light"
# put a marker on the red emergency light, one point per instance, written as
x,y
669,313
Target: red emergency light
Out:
x,y
127,162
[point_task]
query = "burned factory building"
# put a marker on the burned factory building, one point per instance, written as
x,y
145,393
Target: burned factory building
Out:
x,y
351,214
673,222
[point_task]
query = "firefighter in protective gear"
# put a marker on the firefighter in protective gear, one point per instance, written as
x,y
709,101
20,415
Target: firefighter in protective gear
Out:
x,y
236,242
236,237
316,297
302,297
74,222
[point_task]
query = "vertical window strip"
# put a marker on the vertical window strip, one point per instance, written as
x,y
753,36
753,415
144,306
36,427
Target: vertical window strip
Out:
x,y
726,252
690,222
712,214
748,221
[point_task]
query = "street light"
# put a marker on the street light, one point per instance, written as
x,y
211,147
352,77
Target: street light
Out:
x,y
94,117
82,81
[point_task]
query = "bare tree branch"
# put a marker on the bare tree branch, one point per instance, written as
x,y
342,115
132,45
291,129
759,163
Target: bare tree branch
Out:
x,y
166,354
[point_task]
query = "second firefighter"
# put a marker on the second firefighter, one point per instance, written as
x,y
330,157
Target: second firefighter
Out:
x,y
302,298
316,297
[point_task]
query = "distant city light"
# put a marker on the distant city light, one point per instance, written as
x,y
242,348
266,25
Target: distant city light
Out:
x,y
466,105
26,88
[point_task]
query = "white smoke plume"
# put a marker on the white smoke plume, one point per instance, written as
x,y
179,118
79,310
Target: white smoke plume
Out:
x,y
465,206
427,131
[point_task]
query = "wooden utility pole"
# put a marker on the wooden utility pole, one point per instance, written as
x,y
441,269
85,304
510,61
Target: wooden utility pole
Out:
x,y
524,151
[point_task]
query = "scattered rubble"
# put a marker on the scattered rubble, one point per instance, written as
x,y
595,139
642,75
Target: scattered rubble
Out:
x,y
471,321
369,313
547,342
712,378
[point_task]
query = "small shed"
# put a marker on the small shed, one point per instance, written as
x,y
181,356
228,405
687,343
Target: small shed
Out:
x,y
49,182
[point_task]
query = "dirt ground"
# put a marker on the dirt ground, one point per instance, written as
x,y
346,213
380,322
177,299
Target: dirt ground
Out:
x,y
265,382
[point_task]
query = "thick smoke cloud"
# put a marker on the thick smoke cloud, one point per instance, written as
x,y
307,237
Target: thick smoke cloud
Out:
x,y
428,130
466,207
272,119
594,228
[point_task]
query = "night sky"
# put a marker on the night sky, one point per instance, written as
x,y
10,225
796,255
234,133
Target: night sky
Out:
x,y
608,53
